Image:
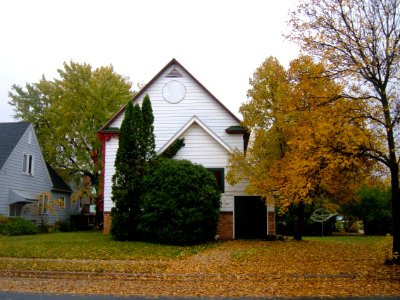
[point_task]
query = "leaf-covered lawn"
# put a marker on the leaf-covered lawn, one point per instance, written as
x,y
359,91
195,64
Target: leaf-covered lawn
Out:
x,y
329,266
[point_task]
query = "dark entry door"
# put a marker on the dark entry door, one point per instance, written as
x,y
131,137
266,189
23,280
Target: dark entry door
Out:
x,y
250,218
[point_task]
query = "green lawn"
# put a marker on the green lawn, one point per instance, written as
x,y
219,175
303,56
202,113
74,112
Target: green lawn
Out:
x,y
88,245
369,239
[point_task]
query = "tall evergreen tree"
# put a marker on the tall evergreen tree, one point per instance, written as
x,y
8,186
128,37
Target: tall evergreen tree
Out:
x,y
136,148
128,177
148,128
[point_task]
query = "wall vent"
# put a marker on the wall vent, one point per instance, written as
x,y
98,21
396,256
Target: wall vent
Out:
x,y
174,73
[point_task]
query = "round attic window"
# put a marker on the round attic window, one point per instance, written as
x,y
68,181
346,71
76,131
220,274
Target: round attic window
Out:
x,y
174,91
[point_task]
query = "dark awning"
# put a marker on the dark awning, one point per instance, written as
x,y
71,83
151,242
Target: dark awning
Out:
x,y
235,129
16,196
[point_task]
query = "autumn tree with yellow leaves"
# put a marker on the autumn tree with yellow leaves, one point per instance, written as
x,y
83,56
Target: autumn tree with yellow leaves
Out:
x,y
359,40
303,147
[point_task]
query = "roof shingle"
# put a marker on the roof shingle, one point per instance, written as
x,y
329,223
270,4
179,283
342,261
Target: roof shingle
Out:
x,y
58,183
10,134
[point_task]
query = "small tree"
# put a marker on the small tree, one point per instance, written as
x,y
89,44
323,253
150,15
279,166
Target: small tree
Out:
x,y
181,203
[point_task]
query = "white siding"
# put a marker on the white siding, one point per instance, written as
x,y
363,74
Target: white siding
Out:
x,y
109,170
202,149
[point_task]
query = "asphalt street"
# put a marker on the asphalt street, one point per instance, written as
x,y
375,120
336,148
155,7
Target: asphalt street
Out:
x,y
35,296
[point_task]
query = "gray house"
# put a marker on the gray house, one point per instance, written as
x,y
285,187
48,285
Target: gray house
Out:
x,y
29,187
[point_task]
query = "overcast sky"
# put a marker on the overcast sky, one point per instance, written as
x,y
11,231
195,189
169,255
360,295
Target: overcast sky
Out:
x,y
221,42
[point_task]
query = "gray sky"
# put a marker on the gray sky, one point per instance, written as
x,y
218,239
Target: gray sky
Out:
x,y
221,42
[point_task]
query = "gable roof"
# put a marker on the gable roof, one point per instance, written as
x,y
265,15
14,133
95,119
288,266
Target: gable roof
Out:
x,y
196,120
58,183
10,134
174,74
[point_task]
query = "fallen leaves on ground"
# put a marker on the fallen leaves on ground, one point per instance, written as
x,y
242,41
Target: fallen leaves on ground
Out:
x,y
230,269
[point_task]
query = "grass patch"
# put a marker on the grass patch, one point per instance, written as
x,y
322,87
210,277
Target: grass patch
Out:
x,y
88,245
347,239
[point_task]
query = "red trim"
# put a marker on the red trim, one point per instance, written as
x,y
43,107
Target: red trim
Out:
x,y
142,91
104,137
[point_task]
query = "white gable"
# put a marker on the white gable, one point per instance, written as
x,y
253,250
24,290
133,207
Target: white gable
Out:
x,y
172,110
202,148
195,120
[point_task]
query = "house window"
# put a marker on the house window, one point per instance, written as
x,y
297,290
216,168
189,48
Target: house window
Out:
x,y
16,210
44,204
219,174
62,202
27,164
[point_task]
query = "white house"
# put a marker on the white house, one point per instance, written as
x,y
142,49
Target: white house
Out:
x,y
184,108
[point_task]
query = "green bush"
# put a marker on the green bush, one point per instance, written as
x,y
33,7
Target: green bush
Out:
x,y
180,205
375,209
17,226
3,220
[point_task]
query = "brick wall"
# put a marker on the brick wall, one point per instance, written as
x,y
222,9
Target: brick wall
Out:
x,y
225,226
271,223
107,223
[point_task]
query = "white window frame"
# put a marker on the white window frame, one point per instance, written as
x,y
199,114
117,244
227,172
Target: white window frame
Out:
x,y
28,164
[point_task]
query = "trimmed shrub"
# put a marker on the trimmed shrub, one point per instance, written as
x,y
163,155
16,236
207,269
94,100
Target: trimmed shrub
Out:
x,y
17,226
180,205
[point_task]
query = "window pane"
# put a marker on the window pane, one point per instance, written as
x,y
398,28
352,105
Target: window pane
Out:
x,y
25,163
30,166
219,176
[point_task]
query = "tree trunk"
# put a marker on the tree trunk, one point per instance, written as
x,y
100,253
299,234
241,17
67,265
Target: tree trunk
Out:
x,y
299,222
395,211
394,176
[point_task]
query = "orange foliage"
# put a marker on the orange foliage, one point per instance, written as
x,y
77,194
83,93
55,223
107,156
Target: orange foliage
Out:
x,y
307,142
